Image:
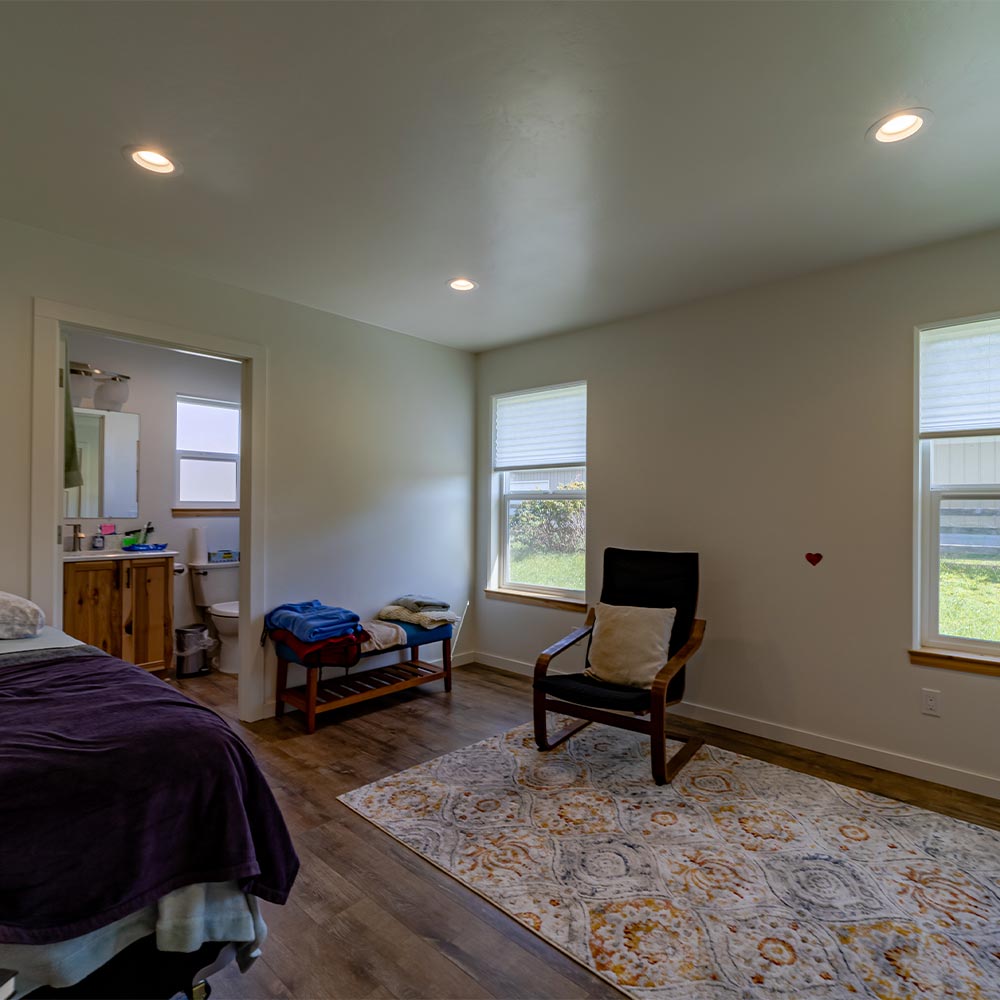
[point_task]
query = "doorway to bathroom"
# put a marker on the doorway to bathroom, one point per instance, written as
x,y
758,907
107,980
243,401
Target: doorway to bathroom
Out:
x,y
157,446
177,490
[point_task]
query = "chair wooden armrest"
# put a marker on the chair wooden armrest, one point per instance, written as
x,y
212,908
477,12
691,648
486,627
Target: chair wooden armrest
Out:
x,y
678,660
546,656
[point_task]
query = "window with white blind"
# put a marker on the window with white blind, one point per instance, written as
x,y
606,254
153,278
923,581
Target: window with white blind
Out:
x,y
959,487
540,466
207,459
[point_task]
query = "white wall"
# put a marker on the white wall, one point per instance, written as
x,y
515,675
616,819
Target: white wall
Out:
x,y
369,432
156,378
749,427
752,428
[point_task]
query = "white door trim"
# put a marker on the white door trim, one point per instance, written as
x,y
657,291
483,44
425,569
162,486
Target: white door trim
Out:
x,y
45,580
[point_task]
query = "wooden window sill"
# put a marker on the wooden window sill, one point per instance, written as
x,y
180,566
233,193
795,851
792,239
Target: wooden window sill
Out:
x,y
539,600
969,662
205,512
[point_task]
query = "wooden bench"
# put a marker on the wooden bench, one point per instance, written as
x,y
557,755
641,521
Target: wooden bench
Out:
x,y
318,695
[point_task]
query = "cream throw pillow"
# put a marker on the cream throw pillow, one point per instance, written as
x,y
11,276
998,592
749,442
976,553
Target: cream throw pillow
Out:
x,y
630,645
19,617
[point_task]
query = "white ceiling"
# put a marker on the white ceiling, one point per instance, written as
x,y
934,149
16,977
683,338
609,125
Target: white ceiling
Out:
x,y
582,161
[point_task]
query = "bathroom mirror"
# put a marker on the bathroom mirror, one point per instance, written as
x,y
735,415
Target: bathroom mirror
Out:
x,y
108,446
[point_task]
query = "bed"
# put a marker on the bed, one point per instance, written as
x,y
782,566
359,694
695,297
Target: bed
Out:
x,y
135,827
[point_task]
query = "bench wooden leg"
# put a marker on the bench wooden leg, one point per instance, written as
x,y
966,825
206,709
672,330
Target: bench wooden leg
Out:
x,y
446,656
279,692
312,696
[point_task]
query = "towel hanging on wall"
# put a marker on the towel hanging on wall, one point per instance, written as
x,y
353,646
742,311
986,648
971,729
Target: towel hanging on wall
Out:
x,y
72,477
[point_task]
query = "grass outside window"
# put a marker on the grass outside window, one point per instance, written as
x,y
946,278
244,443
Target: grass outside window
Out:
x,y
565,570
969,597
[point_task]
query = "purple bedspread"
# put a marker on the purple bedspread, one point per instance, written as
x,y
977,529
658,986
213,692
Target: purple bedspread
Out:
x,y
115,789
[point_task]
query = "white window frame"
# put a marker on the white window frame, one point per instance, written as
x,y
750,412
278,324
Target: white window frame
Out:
x,y
180,454
929,557
503,498
928,517
506,496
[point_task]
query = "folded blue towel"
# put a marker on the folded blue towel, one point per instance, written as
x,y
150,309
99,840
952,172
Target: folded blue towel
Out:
x,y
311,621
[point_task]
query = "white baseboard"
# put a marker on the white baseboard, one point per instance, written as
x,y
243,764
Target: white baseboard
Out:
x,y
458,660
501,663
915,767
889,760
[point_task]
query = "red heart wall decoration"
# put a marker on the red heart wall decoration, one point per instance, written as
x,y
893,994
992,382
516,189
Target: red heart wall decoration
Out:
x,y
813,557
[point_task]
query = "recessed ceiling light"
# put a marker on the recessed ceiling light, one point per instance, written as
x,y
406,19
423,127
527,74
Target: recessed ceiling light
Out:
x,y
462,284
151,159
899,125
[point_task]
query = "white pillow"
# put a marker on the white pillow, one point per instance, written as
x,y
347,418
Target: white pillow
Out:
x,y
19,617
630,645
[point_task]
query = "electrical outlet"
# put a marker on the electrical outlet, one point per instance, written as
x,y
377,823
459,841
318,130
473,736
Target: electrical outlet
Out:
x,y
931,702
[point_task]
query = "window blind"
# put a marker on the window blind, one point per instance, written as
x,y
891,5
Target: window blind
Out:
x,y
960,379
543,428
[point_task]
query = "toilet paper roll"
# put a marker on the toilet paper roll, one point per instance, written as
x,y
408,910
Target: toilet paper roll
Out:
x,y
199,550
180,569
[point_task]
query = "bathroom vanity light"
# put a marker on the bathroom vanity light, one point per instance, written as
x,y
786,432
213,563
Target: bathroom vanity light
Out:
x,y
112,393
109,390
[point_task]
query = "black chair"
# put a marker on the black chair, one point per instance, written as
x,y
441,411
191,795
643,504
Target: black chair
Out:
x,y
639,580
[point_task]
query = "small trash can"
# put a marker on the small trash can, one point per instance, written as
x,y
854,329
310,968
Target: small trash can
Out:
x,y
191,645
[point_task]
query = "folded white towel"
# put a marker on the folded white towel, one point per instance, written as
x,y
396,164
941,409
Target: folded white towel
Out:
x,y
426,619
384,635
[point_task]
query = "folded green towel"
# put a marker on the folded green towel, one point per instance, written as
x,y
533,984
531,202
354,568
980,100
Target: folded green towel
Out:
x,y
420,602
72,477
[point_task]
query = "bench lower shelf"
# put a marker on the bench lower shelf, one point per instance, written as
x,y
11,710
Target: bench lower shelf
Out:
x,y
317,696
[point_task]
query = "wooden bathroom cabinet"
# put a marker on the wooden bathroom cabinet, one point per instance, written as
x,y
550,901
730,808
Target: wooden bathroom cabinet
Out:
x,y
123,606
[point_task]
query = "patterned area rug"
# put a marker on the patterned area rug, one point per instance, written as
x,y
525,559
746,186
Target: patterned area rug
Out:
x,y
740,881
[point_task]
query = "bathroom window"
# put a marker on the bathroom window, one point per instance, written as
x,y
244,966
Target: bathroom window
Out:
x,y
207,463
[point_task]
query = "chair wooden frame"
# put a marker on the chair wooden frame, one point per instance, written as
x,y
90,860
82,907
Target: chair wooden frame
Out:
x,y
655,726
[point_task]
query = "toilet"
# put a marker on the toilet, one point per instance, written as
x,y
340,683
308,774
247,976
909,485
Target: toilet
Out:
x,y
216,587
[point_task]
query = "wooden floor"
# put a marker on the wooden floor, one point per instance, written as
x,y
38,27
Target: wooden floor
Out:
x,y
368,917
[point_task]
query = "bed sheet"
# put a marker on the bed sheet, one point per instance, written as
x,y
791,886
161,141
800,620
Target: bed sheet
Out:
x,y
48,638
182,921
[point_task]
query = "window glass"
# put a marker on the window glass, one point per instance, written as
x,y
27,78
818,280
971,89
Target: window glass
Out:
x,y
969,569
547,480
546,538
970,461
206,427
204,480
